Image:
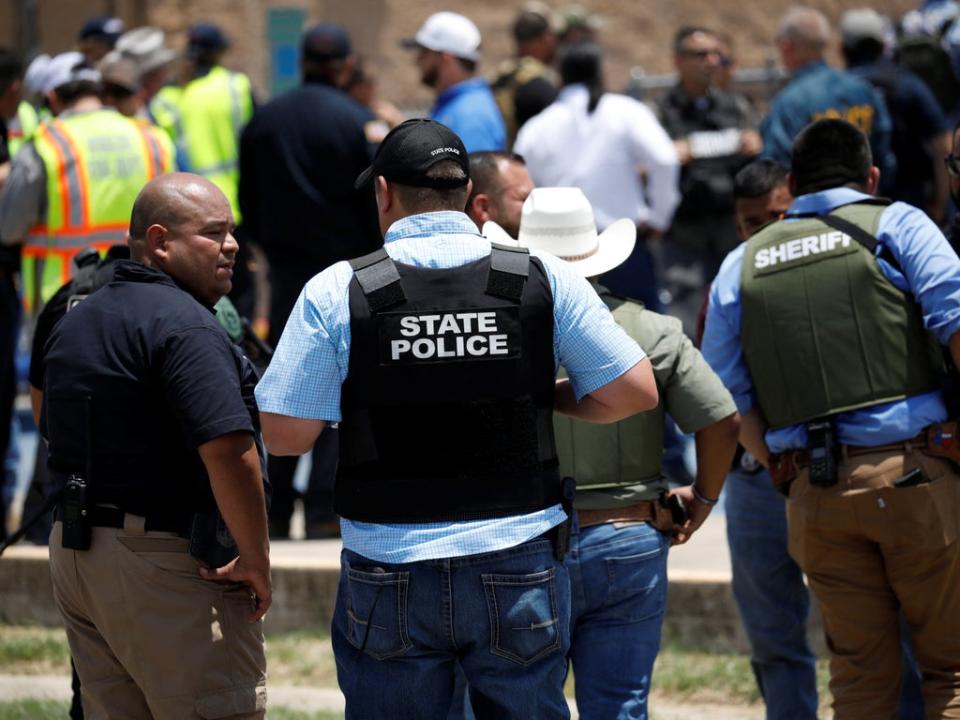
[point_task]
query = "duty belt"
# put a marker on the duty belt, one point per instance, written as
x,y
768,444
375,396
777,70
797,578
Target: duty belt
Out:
x,y
786,466
648,511
113,517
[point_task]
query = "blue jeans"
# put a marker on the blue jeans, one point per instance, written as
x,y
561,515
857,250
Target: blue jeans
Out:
x,y
399,629
774,603
618,584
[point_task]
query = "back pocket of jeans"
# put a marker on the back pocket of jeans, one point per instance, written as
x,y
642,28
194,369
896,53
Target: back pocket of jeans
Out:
x,y
377,612
524,622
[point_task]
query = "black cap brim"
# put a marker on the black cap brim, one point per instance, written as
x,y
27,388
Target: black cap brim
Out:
x,y
365,178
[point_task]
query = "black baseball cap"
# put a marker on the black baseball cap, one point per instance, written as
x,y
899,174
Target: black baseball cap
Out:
x,y
411,149
326,41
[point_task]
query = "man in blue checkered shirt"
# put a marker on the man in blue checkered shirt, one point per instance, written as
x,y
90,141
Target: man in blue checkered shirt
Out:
x,y
437,355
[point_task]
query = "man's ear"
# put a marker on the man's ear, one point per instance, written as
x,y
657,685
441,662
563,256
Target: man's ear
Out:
x,y
792,184
479,209
157,242
873,180
385,196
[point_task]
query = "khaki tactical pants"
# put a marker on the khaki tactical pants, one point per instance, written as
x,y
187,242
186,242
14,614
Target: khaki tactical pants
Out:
x,y
869,548
150,637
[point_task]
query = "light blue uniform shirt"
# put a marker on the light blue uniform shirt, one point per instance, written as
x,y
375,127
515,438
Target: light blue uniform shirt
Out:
x,y
312,357
931,273
469,109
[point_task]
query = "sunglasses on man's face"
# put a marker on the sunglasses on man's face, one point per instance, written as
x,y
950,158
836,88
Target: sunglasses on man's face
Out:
x,y
953,165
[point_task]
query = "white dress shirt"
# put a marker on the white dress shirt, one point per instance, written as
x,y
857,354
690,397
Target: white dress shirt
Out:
x,y
604,154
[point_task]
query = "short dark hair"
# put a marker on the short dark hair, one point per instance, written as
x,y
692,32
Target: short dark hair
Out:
x,y
484,170
11,69
469,65
829,153
425,199
680,37
862,51
529,25
76,89
758,178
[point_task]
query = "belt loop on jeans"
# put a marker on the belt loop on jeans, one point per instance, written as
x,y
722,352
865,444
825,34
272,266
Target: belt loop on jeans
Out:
x,y
134,524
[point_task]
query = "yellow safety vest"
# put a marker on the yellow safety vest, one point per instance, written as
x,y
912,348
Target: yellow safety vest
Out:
x,y
96,163
204,119
22,128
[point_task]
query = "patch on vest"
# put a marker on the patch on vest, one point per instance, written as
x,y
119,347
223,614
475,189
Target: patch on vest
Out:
x,y
408,338
797,249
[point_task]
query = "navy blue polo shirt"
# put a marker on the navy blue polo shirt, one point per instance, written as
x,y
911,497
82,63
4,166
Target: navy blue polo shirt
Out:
x,y
158,377
299,157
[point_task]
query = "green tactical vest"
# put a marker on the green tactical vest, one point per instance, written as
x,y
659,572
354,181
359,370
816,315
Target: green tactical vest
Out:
x,y
614,464
823,330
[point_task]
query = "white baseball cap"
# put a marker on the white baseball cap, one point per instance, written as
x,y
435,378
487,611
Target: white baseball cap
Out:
x,y
559,220
65,68
448,32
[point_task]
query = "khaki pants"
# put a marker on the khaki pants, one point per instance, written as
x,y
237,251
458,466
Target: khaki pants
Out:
x,y
868,549
150,637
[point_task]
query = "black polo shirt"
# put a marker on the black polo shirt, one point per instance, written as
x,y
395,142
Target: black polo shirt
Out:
x,y
299,157
158,377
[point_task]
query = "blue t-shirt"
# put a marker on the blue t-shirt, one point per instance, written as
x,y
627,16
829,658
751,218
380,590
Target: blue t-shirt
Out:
x,y
817,91
313,355
931,273
468,108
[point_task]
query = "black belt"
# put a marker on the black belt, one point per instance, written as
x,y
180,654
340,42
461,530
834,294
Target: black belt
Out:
x,y
111,517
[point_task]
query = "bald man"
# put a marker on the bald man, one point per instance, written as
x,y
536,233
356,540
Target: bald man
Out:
x,y
159,553
817,91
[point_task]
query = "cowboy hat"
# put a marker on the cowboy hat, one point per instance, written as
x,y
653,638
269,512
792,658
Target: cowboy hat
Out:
x,y
559,220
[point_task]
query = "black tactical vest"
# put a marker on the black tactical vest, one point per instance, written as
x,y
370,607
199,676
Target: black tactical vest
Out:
x,y
448,402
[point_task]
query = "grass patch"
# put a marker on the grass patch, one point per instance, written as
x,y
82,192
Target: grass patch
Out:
x,y
55,710
34,710
305,658
284,714
33,651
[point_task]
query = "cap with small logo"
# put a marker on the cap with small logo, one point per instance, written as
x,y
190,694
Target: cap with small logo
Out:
x,y
411,149
448,32
326,41
103,26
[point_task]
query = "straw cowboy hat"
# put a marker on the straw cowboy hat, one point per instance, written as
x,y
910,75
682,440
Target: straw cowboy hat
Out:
x,y
559,221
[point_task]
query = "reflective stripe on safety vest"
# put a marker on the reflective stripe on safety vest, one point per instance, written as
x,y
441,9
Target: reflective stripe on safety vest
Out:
x,y
96,163
205,120
22,127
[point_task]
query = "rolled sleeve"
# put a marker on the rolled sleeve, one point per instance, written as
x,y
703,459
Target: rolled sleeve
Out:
x,y
589,344
201,382
695,396
311,360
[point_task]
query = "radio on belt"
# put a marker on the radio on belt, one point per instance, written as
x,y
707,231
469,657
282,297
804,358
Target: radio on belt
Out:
x,y
492,334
